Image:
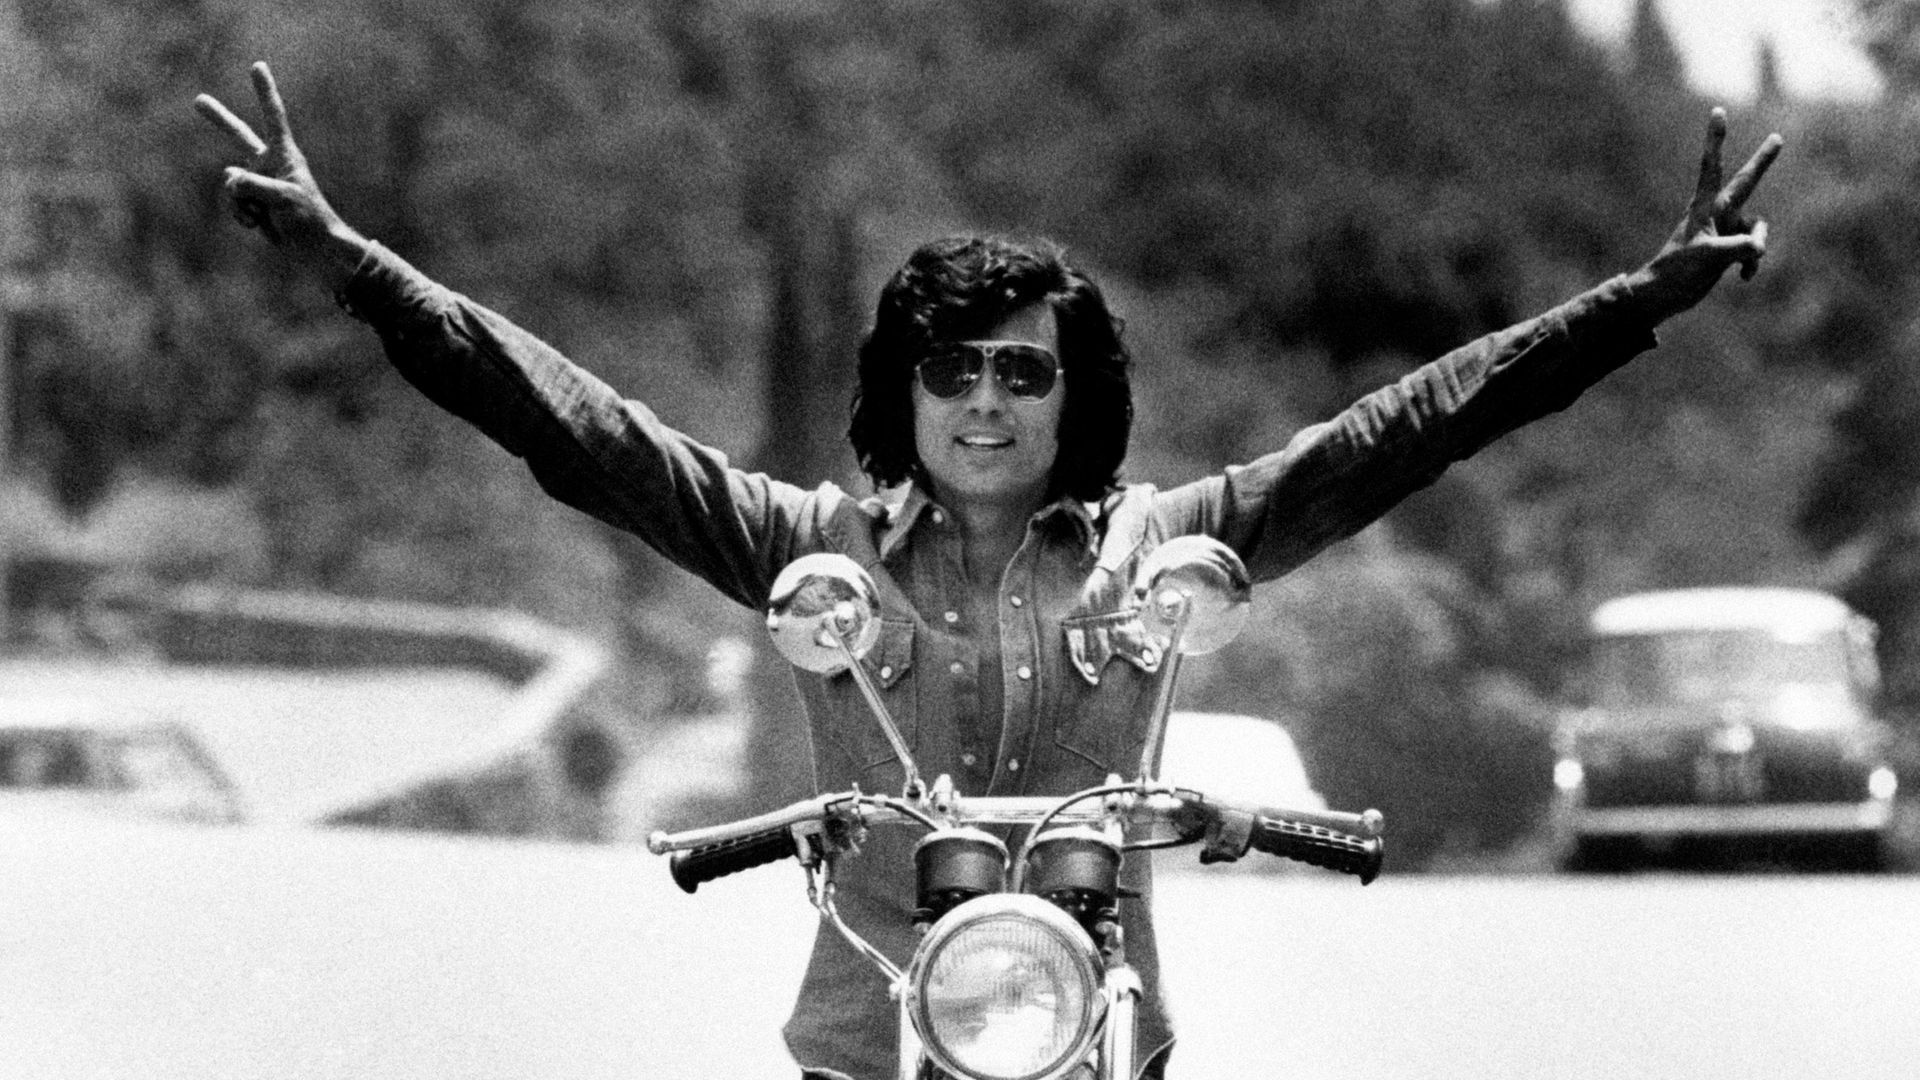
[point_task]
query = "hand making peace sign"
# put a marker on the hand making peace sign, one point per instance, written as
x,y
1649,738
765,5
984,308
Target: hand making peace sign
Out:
x,y
276,192
1713,235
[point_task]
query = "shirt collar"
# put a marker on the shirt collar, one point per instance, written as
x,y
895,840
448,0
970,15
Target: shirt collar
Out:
x,y
1079,517
907,504
904,505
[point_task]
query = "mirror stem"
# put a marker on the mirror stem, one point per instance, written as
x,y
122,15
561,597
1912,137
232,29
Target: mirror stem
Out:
x,y
915,787
1177,606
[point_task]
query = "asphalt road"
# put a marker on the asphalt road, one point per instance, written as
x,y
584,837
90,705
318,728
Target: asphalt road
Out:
x,y
152,952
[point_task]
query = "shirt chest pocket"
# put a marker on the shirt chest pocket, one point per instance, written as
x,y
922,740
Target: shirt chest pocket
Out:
x,y
1094,641
1102,720
853,731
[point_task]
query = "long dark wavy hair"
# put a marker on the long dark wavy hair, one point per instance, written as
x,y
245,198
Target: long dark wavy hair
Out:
x,y
961,287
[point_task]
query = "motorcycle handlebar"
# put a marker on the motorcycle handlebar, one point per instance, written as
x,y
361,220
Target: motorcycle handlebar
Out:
x,y
1348,843
814,809
696,865
1345,852
1345,842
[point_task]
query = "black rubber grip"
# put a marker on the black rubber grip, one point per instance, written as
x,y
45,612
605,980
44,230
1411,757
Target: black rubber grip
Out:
x,y
690,868
1345,852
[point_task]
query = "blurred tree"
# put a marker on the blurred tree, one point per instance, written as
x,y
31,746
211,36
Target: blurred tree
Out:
x,y
1770,87
1848,301
1652,57
1853,314
109,355
1890,32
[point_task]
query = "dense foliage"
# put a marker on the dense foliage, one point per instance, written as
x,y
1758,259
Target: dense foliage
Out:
x,y
1291,201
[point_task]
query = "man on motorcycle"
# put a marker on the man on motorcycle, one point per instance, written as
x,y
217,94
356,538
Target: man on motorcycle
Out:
x,y
992,414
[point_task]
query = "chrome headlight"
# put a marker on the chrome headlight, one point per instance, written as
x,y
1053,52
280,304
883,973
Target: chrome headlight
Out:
x,y
1006,987
1883,783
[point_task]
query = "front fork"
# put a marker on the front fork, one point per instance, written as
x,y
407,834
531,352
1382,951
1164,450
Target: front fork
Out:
x,y
1117,1041
912,1061
1116,1045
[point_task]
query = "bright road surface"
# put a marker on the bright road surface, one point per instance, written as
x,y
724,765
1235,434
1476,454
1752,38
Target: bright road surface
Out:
x,y
150,952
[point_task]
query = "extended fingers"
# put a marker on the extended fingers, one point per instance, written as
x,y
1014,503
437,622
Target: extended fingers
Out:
x,y
271,106
1708,189
1735,194
222,117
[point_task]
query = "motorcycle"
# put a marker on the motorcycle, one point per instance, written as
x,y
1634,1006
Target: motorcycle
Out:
x,y
1020,972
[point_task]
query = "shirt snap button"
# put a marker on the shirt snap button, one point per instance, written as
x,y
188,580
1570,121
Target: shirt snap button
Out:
x,y
1015,601
886,671
968,759
952,617
957,668
1013,764
1024,672
939,518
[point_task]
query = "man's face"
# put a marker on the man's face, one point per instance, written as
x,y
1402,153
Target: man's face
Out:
x,y
986,446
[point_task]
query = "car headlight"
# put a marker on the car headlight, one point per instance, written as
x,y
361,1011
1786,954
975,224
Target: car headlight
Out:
x,y
1006,987
1568,774
1883,783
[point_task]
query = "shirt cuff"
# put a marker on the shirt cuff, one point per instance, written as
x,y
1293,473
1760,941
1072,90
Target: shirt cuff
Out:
x,y
1613,306
383,288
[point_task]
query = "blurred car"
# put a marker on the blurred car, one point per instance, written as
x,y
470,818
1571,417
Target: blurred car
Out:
x,y
61,753
1247,759
1721,714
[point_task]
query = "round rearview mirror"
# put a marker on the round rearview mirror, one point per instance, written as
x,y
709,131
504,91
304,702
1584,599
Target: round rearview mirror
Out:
x,y
1202,577
815,599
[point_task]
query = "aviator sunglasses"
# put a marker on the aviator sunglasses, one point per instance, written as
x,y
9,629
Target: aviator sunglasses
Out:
x,y
1025,371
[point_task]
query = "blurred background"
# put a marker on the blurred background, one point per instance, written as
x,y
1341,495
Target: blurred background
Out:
x,y
251,576
1289,202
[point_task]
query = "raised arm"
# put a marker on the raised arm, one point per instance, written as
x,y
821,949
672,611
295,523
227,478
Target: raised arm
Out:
x,y
276,193
584,444
1335,478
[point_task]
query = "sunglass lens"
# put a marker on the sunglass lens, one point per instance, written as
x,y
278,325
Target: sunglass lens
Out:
x,y
1026,371
948,373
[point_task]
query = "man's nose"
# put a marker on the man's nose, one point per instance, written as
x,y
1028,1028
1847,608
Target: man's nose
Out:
x,y
986,394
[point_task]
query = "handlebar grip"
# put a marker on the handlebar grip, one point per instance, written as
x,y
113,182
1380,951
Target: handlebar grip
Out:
x,y
690,868
1349,854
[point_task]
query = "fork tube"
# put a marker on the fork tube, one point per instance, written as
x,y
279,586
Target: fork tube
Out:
x,y
1116,1043
909,1038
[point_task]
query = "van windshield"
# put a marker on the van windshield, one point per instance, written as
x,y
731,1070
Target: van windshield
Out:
x,y
1703,666
43,759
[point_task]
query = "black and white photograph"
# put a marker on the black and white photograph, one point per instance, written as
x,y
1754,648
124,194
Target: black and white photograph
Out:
x,y
996,540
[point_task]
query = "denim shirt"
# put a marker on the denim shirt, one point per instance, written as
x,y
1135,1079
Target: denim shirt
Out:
x,y
1078,674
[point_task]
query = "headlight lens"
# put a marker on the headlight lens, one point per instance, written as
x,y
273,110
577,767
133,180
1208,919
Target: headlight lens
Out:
x,y
1568,774
1006,987
1883,783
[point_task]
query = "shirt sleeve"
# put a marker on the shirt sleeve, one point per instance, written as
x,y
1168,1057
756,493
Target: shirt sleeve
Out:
x,y
585,445
1336,477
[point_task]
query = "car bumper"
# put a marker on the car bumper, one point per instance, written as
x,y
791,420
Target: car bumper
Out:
x,y
1872,815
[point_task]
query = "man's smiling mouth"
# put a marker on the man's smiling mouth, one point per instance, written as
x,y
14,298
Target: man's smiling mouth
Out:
x,y
984,442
